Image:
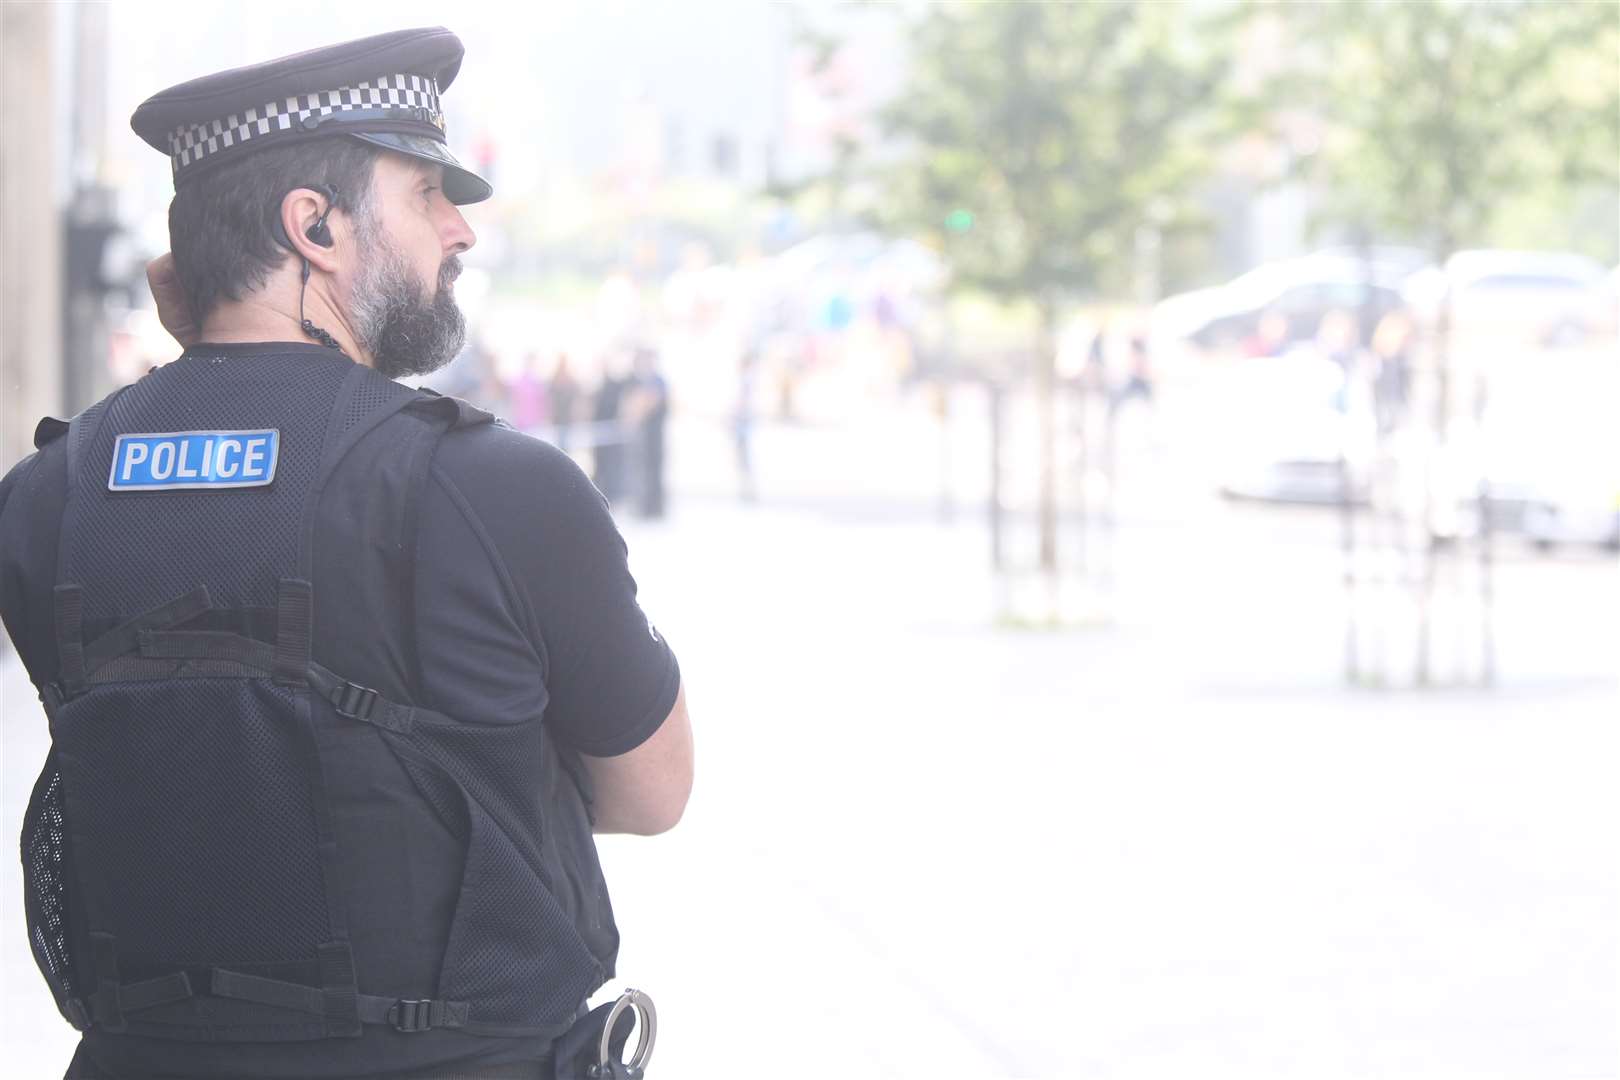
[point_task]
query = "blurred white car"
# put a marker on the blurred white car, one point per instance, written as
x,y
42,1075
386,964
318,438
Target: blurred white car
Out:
x,y
1302,291
1553,450
1527,297
1580,517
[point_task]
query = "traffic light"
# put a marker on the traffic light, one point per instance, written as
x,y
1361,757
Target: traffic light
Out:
x,y
959,220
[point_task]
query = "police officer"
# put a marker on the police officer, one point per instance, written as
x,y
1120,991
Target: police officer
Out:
x,y
341,676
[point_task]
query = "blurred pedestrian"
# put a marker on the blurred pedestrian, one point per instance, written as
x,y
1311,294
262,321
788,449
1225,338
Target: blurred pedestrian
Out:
x,y
1271,337
472,375
743,416
649,411
1393,344
608,435
562,394
1338,340
1139,377
526,396
1095,375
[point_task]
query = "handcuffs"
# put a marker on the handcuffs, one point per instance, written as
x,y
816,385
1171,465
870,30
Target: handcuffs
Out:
x,y
608,1066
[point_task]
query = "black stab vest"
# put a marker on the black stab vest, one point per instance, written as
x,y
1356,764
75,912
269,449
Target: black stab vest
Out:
x,y
247,829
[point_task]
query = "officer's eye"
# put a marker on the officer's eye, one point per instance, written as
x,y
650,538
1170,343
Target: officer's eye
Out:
x,y
427,193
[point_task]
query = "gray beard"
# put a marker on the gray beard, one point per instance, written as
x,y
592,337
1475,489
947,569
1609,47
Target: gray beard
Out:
x,y
405,332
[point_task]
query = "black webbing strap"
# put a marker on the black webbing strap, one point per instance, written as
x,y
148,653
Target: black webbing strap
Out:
x,y
147,993
69,600
365,704
206,645
106,1004
402,1014
295,620
339,989
112,999
125,637
276,992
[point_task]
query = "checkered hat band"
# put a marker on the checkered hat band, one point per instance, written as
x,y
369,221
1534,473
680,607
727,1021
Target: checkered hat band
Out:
x,y
192,143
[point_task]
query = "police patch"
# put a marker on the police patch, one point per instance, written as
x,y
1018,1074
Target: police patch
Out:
x,y
194,459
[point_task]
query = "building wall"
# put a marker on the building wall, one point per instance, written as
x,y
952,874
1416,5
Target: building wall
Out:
x,y
30,229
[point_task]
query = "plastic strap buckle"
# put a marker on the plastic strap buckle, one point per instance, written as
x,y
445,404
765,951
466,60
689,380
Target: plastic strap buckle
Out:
x,y
412,1015
354,701
77,1015
53,697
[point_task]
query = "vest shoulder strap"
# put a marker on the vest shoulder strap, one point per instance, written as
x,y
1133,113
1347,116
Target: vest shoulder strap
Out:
x,y
461,413
48,430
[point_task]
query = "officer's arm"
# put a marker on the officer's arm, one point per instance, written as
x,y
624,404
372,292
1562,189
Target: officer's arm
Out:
x,y
645,791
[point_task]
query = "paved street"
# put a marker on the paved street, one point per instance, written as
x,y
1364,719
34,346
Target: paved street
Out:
x,y
1163,841
1172,846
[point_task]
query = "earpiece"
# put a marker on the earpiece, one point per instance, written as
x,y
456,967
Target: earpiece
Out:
x,y
319,233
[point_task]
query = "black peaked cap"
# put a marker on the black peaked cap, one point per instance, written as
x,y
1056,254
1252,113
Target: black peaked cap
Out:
x,y
383,89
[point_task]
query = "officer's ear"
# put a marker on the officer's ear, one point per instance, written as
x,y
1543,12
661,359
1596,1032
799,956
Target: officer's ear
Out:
x,y
305,228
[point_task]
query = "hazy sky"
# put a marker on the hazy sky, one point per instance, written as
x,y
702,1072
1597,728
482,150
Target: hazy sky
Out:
x,y
551,82
554,84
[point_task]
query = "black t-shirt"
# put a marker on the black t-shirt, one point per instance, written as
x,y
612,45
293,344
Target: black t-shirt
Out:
x,y
525,603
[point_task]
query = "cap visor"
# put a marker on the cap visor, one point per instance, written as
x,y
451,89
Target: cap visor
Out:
x,y
461,184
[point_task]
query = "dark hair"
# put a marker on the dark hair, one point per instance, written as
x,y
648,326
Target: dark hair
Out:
x,y
223,227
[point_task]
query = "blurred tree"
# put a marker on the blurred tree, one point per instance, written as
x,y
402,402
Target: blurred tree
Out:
x,y
1030,143
1439,114
1427,120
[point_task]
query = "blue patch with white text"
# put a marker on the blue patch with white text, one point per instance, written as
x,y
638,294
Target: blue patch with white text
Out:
x,y
194,459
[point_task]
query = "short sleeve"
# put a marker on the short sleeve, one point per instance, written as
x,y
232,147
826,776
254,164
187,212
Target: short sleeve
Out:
x,y
562,567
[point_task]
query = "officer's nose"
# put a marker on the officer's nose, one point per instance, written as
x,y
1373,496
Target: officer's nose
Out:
x,y
457,234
